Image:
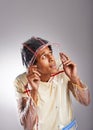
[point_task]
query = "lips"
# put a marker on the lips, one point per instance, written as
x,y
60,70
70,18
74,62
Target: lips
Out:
x,y
53,66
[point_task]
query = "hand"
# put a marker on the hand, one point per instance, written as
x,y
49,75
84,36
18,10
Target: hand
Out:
x,y
33,77
69,67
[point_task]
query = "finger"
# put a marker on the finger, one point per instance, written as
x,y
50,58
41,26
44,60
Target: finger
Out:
x,y
66,62
32,68
63,57
33,78
69,62
35,72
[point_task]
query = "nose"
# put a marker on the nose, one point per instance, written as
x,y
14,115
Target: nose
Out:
x,y
51,58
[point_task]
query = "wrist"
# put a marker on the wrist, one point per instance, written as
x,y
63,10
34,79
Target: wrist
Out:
x,y
34,91
34,94
76,80
77,83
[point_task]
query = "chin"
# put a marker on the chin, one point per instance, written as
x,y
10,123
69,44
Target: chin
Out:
x,y
54,71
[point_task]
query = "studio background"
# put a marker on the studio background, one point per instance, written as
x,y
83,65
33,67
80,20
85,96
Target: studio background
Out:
x,y
69,22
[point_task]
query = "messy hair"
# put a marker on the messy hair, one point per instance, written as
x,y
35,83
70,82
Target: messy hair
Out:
x,y
26,53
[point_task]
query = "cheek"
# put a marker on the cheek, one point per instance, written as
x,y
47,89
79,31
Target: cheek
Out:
x,y
43,66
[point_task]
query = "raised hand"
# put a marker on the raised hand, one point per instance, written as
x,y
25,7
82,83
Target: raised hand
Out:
x,y
69,67
33,77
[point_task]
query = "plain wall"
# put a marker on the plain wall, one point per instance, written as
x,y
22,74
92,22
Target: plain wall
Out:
x,y
69,22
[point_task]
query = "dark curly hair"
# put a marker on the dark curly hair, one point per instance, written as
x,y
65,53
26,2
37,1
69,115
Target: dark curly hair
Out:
x,y
29,49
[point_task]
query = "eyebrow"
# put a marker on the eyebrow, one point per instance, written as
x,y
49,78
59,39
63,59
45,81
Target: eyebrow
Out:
x,y
44,53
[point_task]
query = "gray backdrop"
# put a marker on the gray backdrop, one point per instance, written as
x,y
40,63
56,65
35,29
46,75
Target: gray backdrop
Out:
x,y
68,22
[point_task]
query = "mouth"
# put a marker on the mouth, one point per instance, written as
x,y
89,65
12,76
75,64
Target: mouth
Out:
x,y
53,66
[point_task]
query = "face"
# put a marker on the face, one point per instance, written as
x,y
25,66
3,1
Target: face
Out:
x,y
46,62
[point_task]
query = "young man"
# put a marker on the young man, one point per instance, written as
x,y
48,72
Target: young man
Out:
x,y
43,92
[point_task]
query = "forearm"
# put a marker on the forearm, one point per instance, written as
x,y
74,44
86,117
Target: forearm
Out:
x,y
34,95
80,92
27,112
26,106
76,82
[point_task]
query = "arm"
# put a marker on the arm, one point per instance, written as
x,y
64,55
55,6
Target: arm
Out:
x,y
79,90
26,106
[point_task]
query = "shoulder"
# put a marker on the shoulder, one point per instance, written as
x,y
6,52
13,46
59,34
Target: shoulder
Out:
x,y
21,76
20,82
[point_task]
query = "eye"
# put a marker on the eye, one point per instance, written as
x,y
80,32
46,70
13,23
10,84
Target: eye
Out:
x,y
50,53
46,55
43,57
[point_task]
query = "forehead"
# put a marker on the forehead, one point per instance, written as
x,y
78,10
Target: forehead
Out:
x,y
43,51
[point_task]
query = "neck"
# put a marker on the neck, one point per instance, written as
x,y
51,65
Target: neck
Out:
x,y
45,77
